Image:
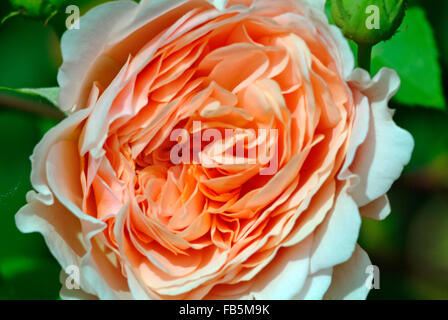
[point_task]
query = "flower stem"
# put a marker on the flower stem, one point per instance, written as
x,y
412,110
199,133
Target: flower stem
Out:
x,y
40,109
364,56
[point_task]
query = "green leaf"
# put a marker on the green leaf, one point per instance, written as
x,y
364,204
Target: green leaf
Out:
x,y
428,127
41,95
413,53
29,278
50,94
13,266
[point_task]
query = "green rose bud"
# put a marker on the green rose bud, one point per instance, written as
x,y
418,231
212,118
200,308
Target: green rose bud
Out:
x,y
36,8
368,22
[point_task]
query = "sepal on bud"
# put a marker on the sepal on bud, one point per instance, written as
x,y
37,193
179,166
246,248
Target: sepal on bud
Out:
x,y
45,9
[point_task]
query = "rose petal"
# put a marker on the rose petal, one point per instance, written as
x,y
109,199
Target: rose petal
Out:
x,y
285,276
387,148
349,278
316,285
335,239
378,209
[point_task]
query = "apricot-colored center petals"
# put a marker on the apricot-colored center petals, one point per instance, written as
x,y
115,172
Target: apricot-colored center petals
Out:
x,y
243,79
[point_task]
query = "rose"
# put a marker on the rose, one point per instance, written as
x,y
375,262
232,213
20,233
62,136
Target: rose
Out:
x,y
109,200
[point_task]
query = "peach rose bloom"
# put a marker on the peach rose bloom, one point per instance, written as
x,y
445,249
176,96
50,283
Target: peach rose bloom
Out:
x,y
109,200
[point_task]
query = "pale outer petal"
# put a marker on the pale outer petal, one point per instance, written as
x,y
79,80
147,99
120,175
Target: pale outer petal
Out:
x,y
378,209
349,279
80,47
68,238
335,238
387,149
62,236
74,293
219,4
316,285
285,276
319,4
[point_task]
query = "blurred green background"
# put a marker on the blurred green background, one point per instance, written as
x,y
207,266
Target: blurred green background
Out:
x,y
410,246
